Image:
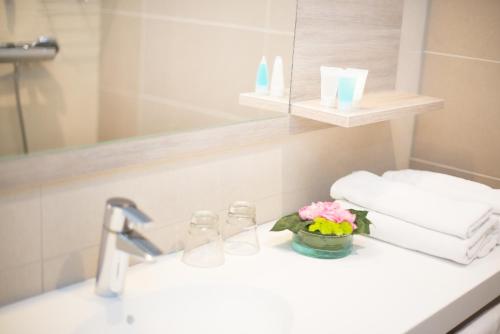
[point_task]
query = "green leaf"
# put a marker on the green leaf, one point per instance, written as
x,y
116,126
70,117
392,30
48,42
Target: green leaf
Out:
x,y
299,226
359,213
291,222
363,224
285,222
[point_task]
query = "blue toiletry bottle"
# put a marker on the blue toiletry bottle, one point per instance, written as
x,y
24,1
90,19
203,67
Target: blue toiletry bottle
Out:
x,y
262,81
347,86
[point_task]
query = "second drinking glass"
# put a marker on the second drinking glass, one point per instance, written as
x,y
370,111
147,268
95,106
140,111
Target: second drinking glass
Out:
x,y
240,229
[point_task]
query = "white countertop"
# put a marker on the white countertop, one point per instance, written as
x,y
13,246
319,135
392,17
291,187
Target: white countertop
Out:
x,y
378,289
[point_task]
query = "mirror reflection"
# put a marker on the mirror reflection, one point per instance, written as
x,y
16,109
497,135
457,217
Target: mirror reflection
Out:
x,y
75,73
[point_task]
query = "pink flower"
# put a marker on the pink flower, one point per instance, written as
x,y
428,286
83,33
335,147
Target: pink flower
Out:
x,y
329,210
311,211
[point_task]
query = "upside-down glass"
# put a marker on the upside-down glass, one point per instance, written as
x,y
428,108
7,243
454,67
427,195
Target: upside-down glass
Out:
x,y
203,243
240,229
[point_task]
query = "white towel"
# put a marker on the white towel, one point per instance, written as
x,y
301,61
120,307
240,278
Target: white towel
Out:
x,y
411,236
447,185
451,186
411,204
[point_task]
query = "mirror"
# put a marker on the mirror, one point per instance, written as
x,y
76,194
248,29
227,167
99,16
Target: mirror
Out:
x,y
122,69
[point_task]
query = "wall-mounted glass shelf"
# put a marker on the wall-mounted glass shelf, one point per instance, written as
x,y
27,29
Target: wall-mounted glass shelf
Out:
x,y
373,108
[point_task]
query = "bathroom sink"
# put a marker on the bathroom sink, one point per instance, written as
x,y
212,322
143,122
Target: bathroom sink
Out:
x,y
208,309
276,291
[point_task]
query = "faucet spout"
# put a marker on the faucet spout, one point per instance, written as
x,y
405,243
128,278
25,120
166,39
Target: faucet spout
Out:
x,y
134,243
119,241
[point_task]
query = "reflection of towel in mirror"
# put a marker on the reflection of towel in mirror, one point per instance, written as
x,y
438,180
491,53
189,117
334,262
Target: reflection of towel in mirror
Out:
x,y
411,204
447,185
400,233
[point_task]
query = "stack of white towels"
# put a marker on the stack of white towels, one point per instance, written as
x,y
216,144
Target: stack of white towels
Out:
x,y
433,213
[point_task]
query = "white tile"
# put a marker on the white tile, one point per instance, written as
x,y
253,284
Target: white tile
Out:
x,y
70,268
269,208
20,228
20,282
252,175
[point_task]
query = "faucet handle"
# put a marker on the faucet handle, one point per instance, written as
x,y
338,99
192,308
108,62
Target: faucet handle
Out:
x,y
122,215
135,217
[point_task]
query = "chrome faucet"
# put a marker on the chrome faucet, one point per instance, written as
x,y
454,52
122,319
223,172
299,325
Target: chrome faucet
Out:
x,y
120,240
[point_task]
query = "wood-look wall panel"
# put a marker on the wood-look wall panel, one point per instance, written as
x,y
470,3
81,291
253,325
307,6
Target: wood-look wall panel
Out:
x,y
363,34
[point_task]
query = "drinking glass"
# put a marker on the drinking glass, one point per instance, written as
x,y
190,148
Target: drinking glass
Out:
x,y
240,229
203,244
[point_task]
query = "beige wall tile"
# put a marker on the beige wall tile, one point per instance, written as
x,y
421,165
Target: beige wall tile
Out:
x,y
120,46
212,64
122,5
118,115
465,133
252,176
20,282
170,117
70,268
20,229
319,158
27,12
239,12
72,215
467,28
10,131
269,208
60,104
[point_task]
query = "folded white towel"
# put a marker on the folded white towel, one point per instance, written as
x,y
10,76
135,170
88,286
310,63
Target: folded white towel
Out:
x,y
411,236
411,204
447,185
451,186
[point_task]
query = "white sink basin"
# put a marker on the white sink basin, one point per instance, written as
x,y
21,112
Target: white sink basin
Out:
x,y
200,309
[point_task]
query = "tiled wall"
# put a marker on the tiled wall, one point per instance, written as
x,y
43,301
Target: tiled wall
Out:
x,y
59,97
49,235
462,65
170,66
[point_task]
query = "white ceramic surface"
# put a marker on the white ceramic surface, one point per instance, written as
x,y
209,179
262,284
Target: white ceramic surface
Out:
x,y
275,291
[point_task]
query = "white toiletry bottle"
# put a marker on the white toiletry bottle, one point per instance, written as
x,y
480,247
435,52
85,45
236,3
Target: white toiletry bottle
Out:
x,y
361,76
329,84
277,80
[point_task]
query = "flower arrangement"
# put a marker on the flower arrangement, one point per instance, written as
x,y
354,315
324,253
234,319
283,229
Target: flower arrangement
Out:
x,y
325,218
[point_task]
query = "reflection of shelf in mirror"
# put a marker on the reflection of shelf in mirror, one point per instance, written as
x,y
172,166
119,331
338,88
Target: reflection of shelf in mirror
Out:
x,y
267,102
374,107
